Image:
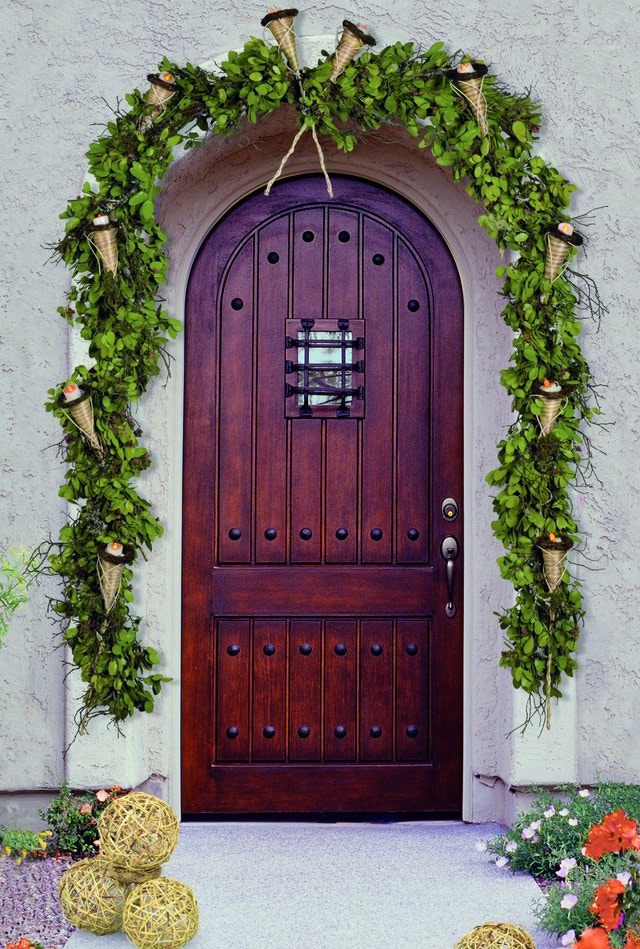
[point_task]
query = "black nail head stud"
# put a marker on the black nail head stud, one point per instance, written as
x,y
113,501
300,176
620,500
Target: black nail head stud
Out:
x,y
237,303
340,649
340,731
269,731
269,649
376,731
233,649
378,259
376,534
235,533
308,237
376,649
233,731
304,731
412,731
342,533
306,649
271,533
413,534
412,649
344,237
273,257
306,533
413,306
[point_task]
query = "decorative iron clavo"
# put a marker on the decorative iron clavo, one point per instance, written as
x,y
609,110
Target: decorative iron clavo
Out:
x,y
324,365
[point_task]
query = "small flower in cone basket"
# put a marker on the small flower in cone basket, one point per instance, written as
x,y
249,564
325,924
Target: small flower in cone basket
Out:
x,y
350,43
163,88
112,559
77,404
552,395
102,237
554,549
280,22
559,243
468,79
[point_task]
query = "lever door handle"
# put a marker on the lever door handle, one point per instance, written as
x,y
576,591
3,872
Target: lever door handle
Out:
x,y
450,550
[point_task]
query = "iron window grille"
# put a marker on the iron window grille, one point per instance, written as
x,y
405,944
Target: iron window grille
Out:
x,y
326,379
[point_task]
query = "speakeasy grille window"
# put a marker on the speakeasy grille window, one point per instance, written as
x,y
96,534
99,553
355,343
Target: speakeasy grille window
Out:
x,y
324,367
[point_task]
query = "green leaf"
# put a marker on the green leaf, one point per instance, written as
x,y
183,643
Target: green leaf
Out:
x,y
519,129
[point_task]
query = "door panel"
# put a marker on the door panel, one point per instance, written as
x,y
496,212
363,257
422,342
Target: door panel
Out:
x,y
320,673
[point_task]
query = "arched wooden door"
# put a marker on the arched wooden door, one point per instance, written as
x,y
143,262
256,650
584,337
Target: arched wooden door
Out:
x,y
322,670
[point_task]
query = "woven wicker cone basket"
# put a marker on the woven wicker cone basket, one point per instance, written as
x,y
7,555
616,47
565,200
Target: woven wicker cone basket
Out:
x,y
110,575
158,96
472,89
496,936
107,247
549,413
161,912
282,30
138,832
82,415
91,898
557,253
347,48
553,563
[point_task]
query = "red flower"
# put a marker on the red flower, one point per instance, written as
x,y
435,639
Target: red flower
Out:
x,y
593,939
605,904
633,941
615,832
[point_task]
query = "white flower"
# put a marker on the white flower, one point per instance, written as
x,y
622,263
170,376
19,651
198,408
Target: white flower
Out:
x,y
568,901
566,866
624,877
528,833
572,822
535,824
550,812
584,792
569,938
481,845
511,846
502,862
563,812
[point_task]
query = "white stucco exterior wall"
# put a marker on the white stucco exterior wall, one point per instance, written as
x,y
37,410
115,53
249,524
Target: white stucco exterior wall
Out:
x,y
62,60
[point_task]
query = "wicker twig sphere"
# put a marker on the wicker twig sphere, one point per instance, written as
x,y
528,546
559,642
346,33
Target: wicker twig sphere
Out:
x,y
137,831
496,936
160,913
91,898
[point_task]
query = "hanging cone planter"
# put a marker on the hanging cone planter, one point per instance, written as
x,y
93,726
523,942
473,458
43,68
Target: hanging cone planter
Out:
x,y
112,559
468,79
77,403
280,22
554,548
351,42
559,243
102,237
162,89
552,396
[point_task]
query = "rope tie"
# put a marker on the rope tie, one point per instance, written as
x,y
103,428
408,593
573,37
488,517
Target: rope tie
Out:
x,y
290,153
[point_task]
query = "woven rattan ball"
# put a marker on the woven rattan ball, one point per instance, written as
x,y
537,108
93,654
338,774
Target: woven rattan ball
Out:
x,y
496,936
160,913
91,898
137,831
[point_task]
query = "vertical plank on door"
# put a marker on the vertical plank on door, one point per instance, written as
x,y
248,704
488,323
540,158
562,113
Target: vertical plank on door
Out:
x,y
343,271
271,428
412,690
235,400
413,411
233,678
378,299
340,690
305,693
341,490
376,690
269,690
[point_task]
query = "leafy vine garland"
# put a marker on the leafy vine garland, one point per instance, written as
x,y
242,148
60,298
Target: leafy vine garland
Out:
x,y
121,315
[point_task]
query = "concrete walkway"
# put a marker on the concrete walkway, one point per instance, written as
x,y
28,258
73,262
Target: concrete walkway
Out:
x,y
408,885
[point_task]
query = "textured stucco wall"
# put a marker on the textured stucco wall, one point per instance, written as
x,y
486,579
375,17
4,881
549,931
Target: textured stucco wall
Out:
x,y
62,61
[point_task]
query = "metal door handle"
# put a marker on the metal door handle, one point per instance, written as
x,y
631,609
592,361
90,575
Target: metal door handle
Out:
x,y
450,549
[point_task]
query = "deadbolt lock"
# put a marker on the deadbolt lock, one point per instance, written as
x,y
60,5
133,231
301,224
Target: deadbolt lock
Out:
x,y
449,509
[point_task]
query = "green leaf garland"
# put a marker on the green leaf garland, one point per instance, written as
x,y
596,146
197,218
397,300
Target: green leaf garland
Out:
x,y
122,318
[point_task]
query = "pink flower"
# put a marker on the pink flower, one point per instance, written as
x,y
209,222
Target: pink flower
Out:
x,y
85,809
568,901
502,862
102,795
550,812
569,938
481,845
528,833
566,865
511,846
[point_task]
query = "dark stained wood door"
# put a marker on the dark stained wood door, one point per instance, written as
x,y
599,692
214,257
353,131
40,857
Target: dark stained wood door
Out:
x,y
323,431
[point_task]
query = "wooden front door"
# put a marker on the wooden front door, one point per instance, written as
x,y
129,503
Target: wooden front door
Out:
x,y
322,665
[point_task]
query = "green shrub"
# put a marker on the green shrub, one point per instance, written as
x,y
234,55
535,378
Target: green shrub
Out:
x,y
73,818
